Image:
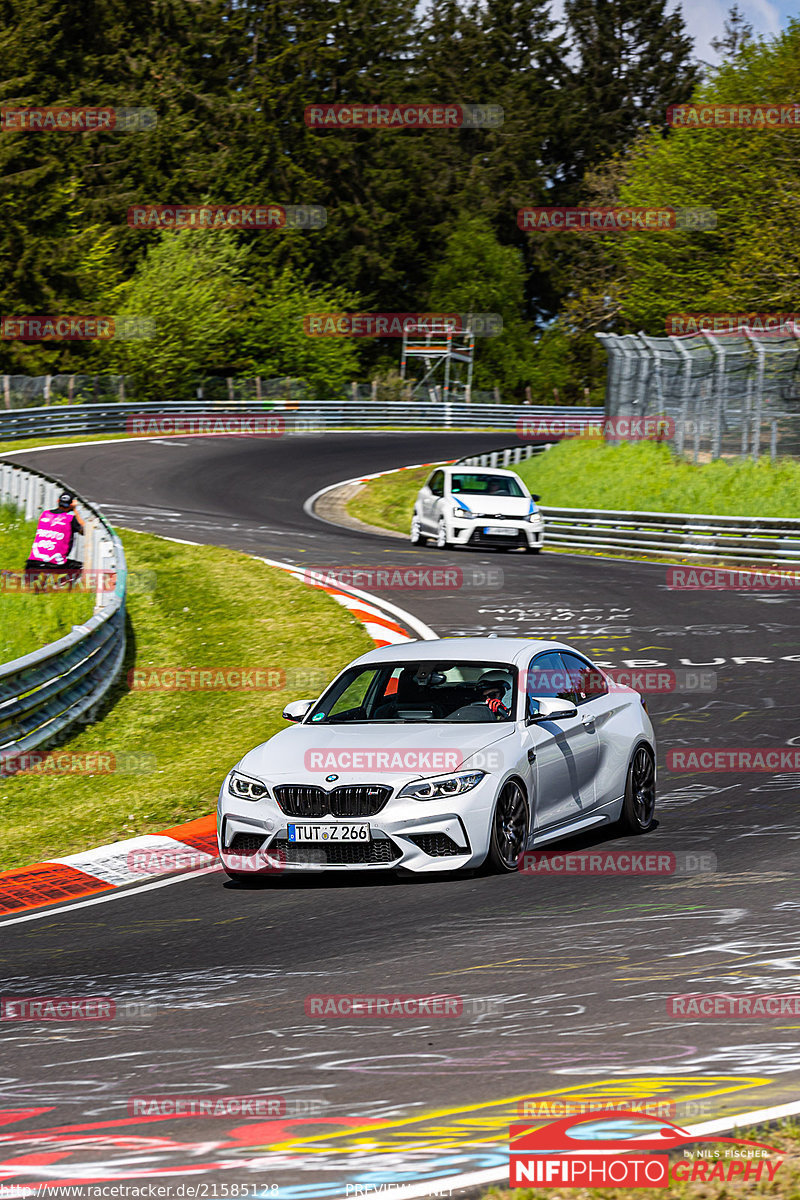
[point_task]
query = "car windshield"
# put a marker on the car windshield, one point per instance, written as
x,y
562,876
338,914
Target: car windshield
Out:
x,y
425,691
485,485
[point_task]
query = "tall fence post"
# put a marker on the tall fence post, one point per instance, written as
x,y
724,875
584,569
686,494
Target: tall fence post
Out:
x,y
717,395
759,393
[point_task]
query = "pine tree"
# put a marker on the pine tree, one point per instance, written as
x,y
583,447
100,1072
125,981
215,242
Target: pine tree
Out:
x,y
633,61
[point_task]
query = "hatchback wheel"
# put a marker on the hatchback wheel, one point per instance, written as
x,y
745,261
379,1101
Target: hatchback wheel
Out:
x,y
417,537
441,536
509,829
639,805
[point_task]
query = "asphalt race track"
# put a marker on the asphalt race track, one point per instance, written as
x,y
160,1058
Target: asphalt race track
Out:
x,y
582,965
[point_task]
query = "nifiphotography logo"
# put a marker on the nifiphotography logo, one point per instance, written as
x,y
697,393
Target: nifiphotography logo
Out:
x,y
621,1150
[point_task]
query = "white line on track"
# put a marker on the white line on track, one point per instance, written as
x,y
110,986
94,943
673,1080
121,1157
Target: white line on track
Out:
x,y
394,610
116,894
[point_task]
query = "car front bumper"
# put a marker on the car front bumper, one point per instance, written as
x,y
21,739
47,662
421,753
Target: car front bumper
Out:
x,y
517,532
419,835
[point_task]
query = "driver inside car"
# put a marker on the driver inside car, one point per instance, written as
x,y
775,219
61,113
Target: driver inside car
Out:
x,y
493,689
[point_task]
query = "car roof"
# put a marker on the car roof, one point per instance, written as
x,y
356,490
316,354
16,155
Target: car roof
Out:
x,y
467,649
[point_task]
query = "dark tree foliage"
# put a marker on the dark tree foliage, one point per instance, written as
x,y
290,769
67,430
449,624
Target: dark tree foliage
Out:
x,y
230,81
632,60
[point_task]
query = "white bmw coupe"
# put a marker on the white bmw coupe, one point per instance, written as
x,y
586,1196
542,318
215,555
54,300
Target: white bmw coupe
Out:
x,y
440,755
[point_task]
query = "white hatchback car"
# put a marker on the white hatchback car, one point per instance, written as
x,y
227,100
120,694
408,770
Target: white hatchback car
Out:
x,y
477,506
439,755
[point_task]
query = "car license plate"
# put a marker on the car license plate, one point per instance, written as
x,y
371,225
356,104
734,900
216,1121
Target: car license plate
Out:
x,y
329,833
499,531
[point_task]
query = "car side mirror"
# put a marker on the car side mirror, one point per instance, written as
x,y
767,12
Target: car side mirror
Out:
x,y
553,710
298,709
535,497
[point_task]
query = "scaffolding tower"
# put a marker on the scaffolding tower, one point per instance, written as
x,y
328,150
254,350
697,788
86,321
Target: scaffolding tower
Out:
x,y
438,358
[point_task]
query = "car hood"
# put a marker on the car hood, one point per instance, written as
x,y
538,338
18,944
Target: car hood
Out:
x,y
389,753
490,506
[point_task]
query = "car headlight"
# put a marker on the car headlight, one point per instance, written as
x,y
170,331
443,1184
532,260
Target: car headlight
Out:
x,y
450,785
535,518
245,788
463,513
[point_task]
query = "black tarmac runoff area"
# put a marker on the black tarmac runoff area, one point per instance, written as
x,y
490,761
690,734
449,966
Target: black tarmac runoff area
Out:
x,y
568,977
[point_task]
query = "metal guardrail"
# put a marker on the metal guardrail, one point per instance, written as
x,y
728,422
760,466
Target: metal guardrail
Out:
x,y
767,539
44,693
299,416
503,458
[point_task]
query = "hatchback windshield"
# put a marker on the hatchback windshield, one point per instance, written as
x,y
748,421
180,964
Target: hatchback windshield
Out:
x,y
426,691
485,485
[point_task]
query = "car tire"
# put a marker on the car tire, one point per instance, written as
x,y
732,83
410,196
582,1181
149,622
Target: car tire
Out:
x,y
639,804
509,833
442,542
417,537
532,549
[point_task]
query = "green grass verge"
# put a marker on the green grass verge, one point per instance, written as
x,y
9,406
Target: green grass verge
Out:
x,y
635,476
389,500
27,620
785,1185
210,608
647,477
